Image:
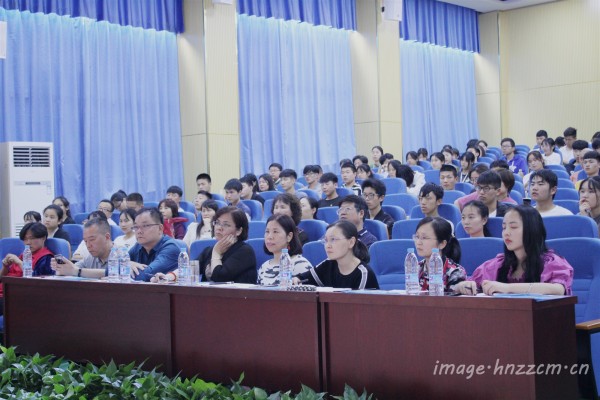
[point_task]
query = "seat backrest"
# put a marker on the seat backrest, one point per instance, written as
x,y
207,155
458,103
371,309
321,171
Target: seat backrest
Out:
x,y
433,176
267,208
218,196
377,228
269,194
565,226
256,229
396,212
151,204
561,173
187,206
220,203
394,185
190,218
80,217
115,232
475,251
487,160
565,183
314,228
314,252
581,254
59,246
328,214
404,200
450,196
387,261
199,245
301,180
571,205
464,187
343,192
556,167
566,194
446,211
522,147
494,225
311,193
417,168
519,187
256,209
11,246
259,251
425,164
182,245
75,232
405,229
516,196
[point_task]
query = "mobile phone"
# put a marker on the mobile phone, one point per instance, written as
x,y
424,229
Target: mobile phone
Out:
x,y
59,259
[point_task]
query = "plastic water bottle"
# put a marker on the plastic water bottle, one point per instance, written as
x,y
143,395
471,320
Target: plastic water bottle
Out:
x,y
436,274
285,269
183,263
113,265
27,262
124,265
411,272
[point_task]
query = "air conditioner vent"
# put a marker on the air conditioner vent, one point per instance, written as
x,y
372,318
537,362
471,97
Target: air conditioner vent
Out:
x,y
36,157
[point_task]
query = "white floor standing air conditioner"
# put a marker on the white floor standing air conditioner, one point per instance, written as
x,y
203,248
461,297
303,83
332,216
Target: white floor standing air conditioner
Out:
x,y
26,182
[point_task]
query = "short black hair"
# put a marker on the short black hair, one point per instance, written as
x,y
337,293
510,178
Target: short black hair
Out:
x,y
205,193
560,141
439,155
592,154
546,175
38,230
233,184
499,164
430,187
176,190
507,177
490,178
102,225
570,131
349,165
596,144
118,196
112,206
362,159
153,212
288,173
344,161
276,165
512,142
449,168
33,214
97,215
375,184
328,177
135,197
580,145
422,152
314,169
58,210
359,204
204,175
541,133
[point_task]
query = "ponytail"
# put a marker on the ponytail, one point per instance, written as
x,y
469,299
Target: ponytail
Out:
x,y
361,252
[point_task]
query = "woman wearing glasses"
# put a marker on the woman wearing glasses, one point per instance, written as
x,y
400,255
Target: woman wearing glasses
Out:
x,y
347,261
230,259
436,232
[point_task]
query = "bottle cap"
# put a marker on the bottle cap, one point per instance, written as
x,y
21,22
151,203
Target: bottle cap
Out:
x,y
284,250
411,250
436,250
183,249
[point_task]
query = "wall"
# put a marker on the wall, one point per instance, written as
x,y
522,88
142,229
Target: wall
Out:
x,y
549,71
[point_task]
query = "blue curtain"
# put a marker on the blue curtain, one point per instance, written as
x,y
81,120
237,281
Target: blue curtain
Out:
x,y
340,14
295,84
162,15
106,95
438,96
435,22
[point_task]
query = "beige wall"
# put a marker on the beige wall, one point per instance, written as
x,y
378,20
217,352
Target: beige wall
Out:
x,y
549,70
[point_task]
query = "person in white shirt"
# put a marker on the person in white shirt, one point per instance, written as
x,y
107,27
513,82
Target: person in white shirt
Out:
x,y
550,156
126,220
543,185
570,135
203,229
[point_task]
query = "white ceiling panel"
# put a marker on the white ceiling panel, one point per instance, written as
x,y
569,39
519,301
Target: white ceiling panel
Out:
x,y
495,5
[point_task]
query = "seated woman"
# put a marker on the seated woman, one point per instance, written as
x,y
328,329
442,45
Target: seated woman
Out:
x,y
467,160
474,220
64,204
32,216
414,179
526,266
347,261
231,259
550,156
265,183
309,207
363,172
173,224
289,205
126,220
589,199
53,214
412,158
202,229
280,234
436,232
437,159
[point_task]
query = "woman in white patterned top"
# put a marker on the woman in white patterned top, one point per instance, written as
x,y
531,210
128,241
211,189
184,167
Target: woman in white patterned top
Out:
x,y
281,233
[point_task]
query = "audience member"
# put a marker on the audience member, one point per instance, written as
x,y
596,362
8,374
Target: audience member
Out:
x,y
360,160
539,138
353,209
274,170
203,229
377,152
550,156
570,136
448,176
374,193
175,193
309,207
154,252
52,216
64,204
329,183
506,186
250,188
347,261
349,178
474,218
230,259
591,164
526,266
437,233
430,198
32,216
233,190
287,180
82,252
265,183
467,160
437,160
422,154
173,224
200,198
135,201
118,199
412,158
579,147
280,234
126,221
488,190
311,174
589,200
288,204
204,182
544,184
516,163
535,160
107,208
364,172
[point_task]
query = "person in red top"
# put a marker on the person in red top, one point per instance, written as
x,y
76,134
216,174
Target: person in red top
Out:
x,y
34,235
173,224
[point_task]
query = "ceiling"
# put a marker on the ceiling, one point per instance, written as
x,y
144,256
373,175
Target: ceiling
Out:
x,y
495,5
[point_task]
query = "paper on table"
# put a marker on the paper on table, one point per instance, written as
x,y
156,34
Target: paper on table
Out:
x,y
3,29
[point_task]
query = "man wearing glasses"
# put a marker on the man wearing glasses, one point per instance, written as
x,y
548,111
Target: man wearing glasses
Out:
x,y
373,191
516,163
353,209
153,252
106,206
312,174
488,190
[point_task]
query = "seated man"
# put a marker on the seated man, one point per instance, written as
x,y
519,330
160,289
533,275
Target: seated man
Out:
x,y
287,179
574,164
204,182
154,252
329,183
175,193
591,165
106,206
543,185
349,178
488,190
516,163
312,174
135,201
274,170
539,138
373,191
118,200
430,198
354,209
233,196
448,176
96,235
